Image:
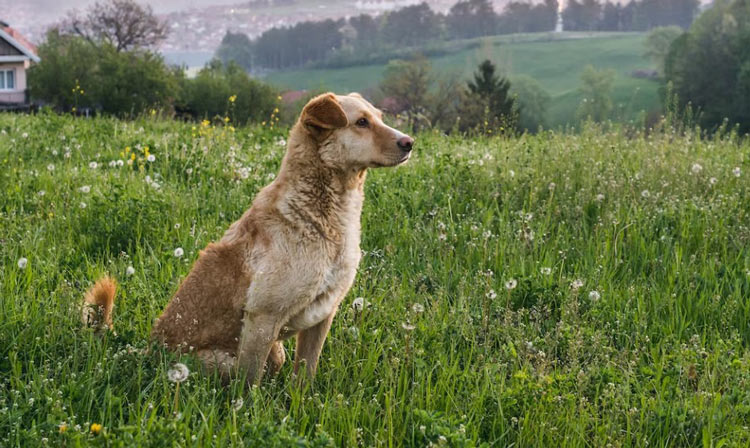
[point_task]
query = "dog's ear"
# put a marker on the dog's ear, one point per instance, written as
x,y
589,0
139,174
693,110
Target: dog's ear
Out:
x,y
323,114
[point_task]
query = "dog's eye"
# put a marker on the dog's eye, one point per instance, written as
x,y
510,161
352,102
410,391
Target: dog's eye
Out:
x,y
363,123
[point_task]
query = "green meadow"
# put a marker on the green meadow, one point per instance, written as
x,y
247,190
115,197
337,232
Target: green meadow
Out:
x,y
555,60
559,289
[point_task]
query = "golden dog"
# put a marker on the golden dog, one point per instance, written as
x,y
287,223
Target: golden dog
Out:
x,y
284,267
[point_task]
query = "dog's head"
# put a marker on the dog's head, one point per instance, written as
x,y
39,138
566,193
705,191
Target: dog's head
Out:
x,y
350,133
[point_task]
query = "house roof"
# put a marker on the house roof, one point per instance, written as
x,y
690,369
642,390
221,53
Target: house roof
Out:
x,y
15,38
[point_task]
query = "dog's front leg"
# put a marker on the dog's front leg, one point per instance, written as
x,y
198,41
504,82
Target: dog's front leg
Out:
x,y
310,344
259,332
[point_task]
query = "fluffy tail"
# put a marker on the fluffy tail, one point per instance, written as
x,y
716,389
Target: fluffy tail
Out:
x,y
98,304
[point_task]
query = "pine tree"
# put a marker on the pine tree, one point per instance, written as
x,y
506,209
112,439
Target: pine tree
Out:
x,y
494,89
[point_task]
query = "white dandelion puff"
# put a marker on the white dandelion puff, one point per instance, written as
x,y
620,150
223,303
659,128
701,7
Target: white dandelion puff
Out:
x,y
179,252
237,404
696,168
129,271
737,171
545,271
50,167
358,304
93,165
85,189
407,326
151,158
22,262
83,205
577,284
511,284
594,296
417,308
645,194
492,295
178,373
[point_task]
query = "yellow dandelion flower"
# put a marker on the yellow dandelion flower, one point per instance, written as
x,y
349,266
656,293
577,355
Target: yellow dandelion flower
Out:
x,y
127,149
132,156
276,110
62,428
233,98
96,428
205,123
278,97
153,112
226,119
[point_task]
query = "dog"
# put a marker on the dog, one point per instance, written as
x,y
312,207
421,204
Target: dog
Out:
x,y
284,267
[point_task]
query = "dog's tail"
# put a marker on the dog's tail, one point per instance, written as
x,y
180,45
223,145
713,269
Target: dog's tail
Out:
x,y
98,304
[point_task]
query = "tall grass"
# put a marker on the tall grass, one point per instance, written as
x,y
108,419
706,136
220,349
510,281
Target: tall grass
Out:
x,y
558,289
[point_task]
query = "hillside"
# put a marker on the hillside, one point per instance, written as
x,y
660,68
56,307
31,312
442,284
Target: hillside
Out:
x,y
556,64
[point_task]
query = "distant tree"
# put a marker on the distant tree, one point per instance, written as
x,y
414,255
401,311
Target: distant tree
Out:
x,y
236,47
408,83
75,74
532,101
658,42
123,24
597,93
472,18
207,96
411,25
494,89
582,16
709,66
367,30
524,17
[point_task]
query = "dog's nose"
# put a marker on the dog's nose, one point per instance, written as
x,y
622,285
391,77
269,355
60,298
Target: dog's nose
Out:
x,y
405,143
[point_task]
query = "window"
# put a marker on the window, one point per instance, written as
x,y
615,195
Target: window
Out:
x,y
7,79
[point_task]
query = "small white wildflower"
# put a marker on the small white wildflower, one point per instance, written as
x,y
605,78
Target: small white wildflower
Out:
x,y
645,194
511,173
151,158
552,186
511,284
237,404
737,171
129,271
50,167
179,252
576,285
696,168
83,205
546,271
25,135
93,165
22,262
189,171
417,308
594,296
85,189
41,192
407,326
713,181
358,304
178,373
599,197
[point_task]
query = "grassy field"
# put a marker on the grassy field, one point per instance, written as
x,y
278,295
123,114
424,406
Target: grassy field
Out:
x,y
557,65
549,290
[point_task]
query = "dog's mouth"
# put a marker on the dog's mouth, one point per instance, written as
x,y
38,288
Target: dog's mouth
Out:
x,y
403,159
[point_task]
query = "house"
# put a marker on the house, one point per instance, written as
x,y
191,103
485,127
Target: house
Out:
x,y
16,56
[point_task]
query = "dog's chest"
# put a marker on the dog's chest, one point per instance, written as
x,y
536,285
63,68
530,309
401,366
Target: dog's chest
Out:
x,y
337,275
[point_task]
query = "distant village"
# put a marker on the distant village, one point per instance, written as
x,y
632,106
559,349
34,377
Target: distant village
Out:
x,y
201,29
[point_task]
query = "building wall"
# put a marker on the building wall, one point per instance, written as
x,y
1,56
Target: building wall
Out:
x,y
16,95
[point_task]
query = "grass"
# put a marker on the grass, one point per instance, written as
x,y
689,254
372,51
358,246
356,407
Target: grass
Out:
x,y
557,64
570,290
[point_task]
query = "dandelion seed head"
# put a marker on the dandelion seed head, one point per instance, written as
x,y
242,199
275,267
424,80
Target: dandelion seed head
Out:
x,y
179,252
511,284
737,171
417,308
93,165
545,271
358,304
594,296
178,373
696,168
130,270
